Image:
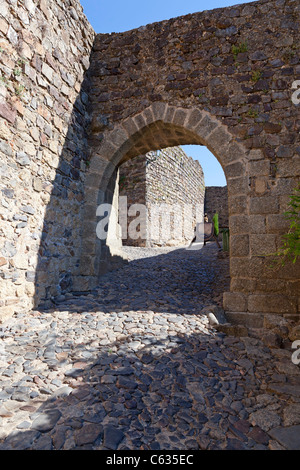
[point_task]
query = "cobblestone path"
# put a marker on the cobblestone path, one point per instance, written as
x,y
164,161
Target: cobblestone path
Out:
x,y
138,365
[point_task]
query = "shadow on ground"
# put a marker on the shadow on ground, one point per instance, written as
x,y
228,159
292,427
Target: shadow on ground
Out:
x,y
175,393
151,388
180,281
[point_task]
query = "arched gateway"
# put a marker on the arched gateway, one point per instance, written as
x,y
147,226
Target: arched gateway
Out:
x,y
159,126
221,79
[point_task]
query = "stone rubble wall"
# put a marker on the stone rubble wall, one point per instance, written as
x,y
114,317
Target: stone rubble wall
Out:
x,y
44,55
168,179
216,199
223,78
132,184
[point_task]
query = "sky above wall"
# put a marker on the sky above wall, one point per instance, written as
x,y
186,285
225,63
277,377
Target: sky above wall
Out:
x,y
115,16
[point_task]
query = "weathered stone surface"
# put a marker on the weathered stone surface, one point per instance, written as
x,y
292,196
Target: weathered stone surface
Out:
x,y
216,199
291,415
176,381
248,119
289,437
265,419
42,72
112,437
88,434
46,421
140,180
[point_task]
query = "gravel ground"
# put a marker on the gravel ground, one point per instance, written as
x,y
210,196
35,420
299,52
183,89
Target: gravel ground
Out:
x,y
137,364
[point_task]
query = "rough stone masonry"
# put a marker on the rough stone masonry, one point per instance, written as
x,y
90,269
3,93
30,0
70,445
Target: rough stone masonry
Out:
x,y
75,105
170,186
44,55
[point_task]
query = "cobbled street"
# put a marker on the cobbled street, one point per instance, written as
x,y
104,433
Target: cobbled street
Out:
x,y
138,364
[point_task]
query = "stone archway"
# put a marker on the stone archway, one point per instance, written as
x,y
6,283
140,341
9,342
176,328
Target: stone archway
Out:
x,y
222,78
158,126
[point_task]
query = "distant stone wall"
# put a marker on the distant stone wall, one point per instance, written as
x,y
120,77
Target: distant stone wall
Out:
x,y
170,180
216,199
45,49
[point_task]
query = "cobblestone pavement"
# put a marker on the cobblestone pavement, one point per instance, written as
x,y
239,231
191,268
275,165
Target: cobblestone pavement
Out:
x,y
137,364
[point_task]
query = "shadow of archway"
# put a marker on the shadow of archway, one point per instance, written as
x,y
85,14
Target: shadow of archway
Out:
x,y
113,387
174,393
59,237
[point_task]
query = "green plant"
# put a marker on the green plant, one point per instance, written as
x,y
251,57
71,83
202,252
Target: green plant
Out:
x,y
122,182
4,81
19,89
12,83
242,47
17,72
22,61
290,249
288,55
256,75
252,113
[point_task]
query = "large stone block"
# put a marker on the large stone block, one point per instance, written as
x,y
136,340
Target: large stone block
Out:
x,y
98,165
264,205
272,303
131,127
84,283
159,109
257,224
179,117
234,170
232,152
239,245
194,119
239,186
277,223
87,265
259,168
234,302
238,224
288,167
237,205
242,284
253,267
206,127
262,244
253,320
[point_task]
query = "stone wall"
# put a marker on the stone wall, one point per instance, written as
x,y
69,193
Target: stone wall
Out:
x,y
222,78
132,184
216,199
167,181
44,55
225,79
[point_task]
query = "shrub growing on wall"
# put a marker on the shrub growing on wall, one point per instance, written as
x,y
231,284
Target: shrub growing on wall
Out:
x,y
290,250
